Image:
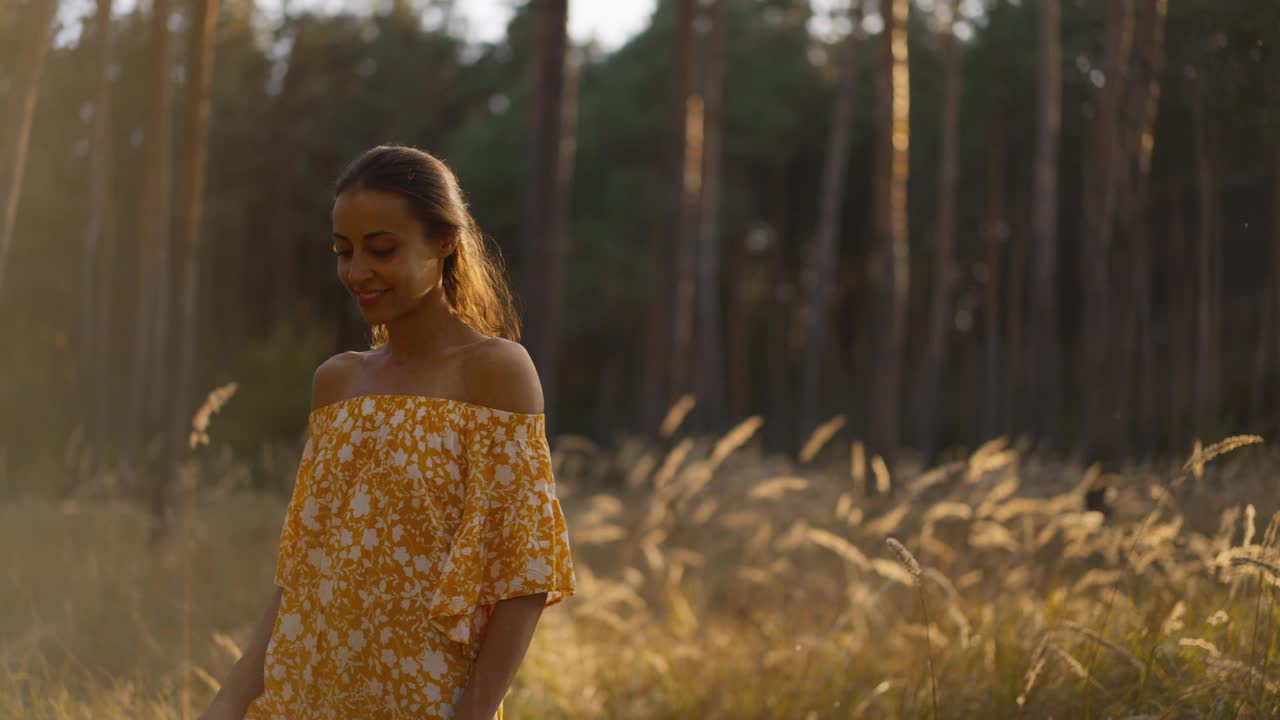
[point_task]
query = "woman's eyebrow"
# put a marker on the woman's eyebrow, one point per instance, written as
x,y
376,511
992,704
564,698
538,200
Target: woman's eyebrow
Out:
x,y
367,236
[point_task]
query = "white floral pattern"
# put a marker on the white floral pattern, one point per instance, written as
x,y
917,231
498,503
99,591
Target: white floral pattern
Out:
x,y
411,517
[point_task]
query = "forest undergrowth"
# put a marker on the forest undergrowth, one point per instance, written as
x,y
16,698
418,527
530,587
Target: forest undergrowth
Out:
x,y
718,582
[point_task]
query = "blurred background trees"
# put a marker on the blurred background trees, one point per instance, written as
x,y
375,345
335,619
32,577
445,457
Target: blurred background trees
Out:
x,y
943,220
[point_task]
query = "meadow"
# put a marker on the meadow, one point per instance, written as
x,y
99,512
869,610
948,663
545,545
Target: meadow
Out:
x,y
719,582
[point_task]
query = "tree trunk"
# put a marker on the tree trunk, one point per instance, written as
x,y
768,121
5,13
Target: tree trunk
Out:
x,y
96,261
927,406
892,173
200,55
660,386
1262,356
1268,339
687,206
560,224
822,266
711,382
1181,332
1275,263
995,235
150,367
779,305
1144,402
1104,171
1144,102
1013,418
543,241
1047,389
652,399
1208,369
146,386
33,46
746,283
1263,372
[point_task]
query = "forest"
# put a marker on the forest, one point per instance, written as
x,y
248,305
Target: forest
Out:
x,y
941,265
1057,219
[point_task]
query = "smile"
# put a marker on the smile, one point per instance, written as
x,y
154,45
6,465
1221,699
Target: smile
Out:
x,y
369,298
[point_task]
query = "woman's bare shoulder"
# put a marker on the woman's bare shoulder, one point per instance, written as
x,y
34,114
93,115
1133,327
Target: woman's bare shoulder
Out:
x,y
333,376
499,373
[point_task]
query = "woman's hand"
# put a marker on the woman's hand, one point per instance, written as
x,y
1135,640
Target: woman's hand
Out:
x,y
244,683
220,708
506,639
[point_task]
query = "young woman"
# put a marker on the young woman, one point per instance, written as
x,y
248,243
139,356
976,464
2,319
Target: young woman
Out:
x,y
424,537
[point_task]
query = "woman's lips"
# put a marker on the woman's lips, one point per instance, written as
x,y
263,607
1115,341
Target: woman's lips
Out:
x,y
369,299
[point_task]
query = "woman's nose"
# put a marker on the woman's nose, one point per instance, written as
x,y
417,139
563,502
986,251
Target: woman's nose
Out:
x,y
358,269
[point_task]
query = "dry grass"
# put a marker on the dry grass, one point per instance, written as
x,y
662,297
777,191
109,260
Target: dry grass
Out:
x,y
716,582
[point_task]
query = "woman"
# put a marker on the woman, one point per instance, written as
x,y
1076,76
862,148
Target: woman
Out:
x,y
424,537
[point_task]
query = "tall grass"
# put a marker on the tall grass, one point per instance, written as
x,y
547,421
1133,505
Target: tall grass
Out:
x,y
716,581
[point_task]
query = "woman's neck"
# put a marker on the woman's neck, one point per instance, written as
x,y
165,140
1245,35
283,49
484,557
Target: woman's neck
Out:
x,y
431,328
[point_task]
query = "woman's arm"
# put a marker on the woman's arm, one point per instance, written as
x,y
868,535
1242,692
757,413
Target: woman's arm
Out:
x,y
244,682
500,374
506,639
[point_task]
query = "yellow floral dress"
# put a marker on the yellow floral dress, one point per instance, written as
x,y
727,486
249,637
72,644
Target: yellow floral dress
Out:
x,y
411,517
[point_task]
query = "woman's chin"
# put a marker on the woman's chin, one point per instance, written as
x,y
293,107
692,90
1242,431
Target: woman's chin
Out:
x,y
374,316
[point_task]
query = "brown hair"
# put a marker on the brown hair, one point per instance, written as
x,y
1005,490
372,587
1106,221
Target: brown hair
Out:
x,y
474,275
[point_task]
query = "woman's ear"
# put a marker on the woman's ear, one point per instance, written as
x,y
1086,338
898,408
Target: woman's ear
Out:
x,y
449,243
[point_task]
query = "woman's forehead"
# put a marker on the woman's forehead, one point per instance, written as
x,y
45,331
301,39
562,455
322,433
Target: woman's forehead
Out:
x,y
362,206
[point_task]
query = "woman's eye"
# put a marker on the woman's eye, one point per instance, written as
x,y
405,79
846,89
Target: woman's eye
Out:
x,y
375,253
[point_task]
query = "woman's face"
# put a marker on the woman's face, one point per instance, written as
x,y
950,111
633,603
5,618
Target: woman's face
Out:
x,y
385,259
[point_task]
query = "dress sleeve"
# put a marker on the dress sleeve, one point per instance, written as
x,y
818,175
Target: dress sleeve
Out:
x,y
512,539
301,511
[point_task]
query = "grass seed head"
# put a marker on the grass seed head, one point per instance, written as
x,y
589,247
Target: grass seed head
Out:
x,y
904,556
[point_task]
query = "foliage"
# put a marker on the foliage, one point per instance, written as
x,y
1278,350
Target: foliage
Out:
x,y
296,97
273,378
763,590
